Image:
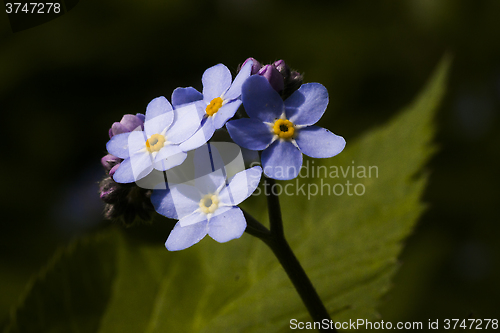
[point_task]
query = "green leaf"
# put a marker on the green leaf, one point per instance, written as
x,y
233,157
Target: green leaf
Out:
x,y
348,245
70,294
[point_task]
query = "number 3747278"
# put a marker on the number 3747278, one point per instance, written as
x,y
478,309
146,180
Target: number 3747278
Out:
x,y
32,7
477,324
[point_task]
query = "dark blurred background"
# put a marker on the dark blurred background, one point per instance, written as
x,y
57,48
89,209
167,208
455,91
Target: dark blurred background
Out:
x,y
63,83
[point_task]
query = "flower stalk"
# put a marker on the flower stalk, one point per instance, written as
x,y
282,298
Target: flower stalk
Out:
x,y
275,239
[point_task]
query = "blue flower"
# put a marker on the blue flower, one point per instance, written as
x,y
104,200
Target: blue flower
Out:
x,y
157,146
284,129
208,207
218,103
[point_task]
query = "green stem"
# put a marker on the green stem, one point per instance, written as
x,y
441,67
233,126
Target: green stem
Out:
x,y
300,280
274,209
255,228
275,239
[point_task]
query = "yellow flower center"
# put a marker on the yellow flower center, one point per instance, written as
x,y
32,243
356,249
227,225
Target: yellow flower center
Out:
x,y
155,142
283,128
209,203
214,106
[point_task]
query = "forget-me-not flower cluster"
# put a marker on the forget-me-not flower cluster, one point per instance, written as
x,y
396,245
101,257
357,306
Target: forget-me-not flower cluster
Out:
x,y
282,113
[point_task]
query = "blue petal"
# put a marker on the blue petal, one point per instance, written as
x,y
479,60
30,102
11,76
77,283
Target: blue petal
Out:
x,y
181,238
168,151
319,142
171,162
241,186
195,217
225,113
207,159
186,199
216,80
164,203
156,107
154,181
227,226
220,210
250,133
306,105
159,124
211,182
201,136
142,164
235,90
118,145
282,160
168,157
136,142
124,173
260,100
187,120
130,170
185,95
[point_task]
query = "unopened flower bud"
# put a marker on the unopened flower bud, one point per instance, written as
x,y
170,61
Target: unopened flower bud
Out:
x,y
128,123
255,67
280,76
108,190
273,76
292,83
282,67
124,202
109,162
292,79
113,170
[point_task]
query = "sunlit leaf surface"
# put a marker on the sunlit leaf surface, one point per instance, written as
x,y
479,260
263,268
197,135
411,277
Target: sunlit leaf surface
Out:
x,y
348,244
